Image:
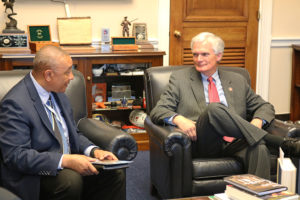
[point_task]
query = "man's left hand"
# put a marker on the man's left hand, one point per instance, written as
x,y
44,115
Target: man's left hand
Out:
x,y
104,155
257,122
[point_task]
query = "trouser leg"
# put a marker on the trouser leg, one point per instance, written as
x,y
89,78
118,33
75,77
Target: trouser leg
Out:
x,y
67,185
218,121
221,121
108,184
256,158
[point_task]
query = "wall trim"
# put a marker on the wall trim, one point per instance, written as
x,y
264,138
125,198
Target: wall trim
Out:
x,y
164,28
264,48
284,42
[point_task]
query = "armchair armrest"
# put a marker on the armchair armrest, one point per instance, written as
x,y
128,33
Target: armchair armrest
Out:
x,y
170,159
109,138
280,128
167,136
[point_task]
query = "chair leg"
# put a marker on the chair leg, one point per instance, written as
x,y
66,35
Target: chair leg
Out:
x,y
153,190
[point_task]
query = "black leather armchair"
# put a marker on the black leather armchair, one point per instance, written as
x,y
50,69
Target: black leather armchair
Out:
x,y
173,170
123,145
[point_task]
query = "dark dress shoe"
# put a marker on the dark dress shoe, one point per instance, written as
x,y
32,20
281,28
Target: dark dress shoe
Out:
x,y
291,147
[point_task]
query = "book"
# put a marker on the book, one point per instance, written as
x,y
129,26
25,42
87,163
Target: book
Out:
x,y
237,194
254,184
219,196
111,164
286,172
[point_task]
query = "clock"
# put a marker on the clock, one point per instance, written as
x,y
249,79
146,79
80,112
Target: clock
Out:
x,y
13,40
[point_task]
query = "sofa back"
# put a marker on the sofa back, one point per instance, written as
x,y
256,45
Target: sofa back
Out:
x,y
157,78
75,91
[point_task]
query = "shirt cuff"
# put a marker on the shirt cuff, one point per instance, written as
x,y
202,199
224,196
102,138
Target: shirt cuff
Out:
x,y
59,164
88,150
169,120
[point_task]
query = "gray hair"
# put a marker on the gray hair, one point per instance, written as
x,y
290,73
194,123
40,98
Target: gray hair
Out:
x,y
216,42
47,58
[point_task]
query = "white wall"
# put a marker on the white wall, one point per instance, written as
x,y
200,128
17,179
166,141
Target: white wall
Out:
x,y
104,14
285,32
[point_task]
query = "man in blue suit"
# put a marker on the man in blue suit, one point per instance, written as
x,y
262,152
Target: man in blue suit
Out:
x,y
43,154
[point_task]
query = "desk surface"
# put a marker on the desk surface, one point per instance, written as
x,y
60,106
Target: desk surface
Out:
x,y
80,52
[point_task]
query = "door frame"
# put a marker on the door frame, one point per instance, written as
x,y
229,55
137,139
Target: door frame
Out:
x,y
264,41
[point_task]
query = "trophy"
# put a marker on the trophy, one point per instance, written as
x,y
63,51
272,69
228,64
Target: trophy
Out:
x,y
11,26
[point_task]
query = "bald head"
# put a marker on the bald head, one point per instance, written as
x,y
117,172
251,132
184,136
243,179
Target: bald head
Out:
x,y
48,57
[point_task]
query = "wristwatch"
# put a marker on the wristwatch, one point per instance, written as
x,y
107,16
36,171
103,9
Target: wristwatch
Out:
x,y
92,154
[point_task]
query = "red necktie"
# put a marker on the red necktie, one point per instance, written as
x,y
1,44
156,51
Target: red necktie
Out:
x,y
214,97
212,91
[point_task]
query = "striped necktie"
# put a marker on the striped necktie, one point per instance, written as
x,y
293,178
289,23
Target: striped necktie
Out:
x,y
57,126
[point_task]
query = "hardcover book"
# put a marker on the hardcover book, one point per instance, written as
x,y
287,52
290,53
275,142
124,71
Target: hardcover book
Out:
x,y
286,172
254,184
237,194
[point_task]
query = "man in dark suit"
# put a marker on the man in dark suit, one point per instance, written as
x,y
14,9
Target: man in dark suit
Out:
x,y
43,154
212,107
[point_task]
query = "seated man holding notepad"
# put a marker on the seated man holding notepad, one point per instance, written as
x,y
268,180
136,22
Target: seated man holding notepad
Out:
x,y
44,156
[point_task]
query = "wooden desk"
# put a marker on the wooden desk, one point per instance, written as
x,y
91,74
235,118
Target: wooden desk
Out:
x,y
84,59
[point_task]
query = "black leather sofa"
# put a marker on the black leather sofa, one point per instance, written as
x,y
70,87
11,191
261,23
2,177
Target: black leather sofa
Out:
x,y
122,144
174,172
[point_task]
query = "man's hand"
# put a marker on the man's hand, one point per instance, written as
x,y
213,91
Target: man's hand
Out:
x,y
257,122
187,126
80,163
104,155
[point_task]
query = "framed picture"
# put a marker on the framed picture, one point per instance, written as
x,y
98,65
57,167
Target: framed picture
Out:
x,y
38,33
74,30
139,31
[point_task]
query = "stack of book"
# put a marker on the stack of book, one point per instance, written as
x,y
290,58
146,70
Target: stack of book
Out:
x,y
251,187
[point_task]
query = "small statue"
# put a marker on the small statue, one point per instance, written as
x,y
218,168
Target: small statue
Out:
x,y
125,23
11,26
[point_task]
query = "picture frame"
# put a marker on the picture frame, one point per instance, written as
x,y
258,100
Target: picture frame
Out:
x,y
39,33
74,30
139,31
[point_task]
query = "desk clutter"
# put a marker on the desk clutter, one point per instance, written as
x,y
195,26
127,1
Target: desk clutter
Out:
x,y
76,31
251,187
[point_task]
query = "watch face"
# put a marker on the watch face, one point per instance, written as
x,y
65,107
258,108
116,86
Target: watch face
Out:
x,y
17,40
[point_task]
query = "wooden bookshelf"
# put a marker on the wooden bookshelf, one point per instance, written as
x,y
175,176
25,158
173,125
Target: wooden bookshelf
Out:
x,y
295,86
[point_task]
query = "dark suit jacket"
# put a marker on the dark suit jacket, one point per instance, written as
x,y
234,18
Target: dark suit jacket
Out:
x,y
185,95
28,144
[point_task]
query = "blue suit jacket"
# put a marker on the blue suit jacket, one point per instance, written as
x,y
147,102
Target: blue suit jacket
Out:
x,y
28,144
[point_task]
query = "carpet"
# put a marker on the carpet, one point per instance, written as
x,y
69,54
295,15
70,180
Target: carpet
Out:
x,y
138,178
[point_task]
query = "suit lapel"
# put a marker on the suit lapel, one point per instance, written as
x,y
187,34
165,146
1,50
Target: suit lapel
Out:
x,y
197,88
38,103
227,88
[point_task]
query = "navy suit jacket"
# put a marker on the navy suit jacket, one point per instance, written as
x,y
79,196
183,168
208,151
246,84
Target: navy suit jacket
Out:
x,y
28,144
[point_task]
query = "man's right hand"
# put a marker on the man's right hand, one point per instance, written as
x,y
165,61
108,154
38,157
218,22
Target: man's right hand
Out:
x,y
186,125
80,163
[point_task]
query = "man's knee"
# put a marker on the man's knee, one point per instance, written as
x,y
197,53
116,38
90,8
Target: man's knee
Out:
x,y
72,183
216,110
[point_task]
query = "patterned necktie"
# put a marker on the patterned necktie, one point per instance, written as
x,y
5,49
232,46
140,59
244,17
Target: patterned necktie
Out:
x,y
57,126
214,97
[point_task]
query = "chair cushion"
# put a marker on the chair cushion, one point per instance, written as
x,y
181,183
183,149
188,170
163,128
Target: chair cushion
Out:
x,y
208,168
